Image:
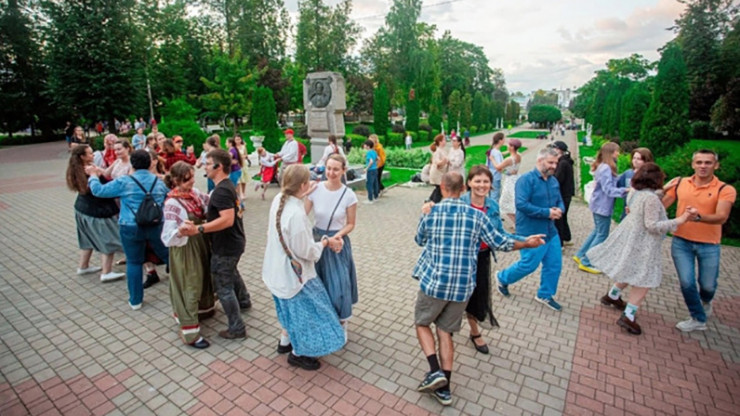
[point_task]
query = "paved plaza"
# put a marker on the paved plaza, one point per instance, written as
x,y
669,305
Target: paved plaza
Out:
x,y
71,345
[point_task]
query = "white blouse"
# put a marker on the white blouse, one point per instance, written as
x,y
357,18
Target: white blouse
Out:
x,y
296,227
174,216
324,201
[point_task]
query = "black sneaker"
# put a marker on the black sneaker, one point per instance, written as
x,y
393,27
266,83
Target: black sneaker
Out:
x,y
152,278
444,397
284,349
432,381
306,363
246,305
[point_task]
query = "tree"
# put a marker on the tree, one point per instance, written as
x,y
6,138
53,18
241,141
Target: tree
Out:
x,y
479,109
665,125
512,112
360,92
543,114
634,106
264,118
412,112
90,51
454,109
19,69
325,36
435,110
466,113
725,115
542,97
381,108
178,117
230,89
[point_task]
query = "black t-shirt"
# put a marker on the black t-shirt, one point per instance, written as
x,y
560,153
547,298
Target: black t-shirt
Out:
x,y
229,241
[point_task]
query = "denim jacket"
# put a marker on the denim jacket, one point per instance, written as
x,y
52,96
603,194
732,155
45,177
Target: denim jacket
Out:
x,y
534,198
129,192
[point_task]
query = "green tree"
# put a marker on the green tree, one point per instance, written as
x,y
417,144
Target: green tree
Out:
x,y
381,108
634,106
666,125
412,112
231,89
264,118
543,114
325,35
513,109
466,111
725,115
479,109
435,111
19,69
360,92
454,109
92,71
178,117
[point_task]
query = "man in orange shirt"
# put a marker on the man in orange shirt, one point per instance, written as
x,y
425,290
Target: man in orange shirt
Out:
x,y
699,239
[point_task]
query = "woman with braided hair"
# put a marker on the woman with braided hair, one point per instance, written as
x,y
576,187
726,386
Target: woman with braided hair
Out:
x,y
310,324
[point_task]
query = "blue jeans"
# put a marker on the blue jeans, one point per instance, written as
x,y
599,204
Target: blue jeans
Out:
x,y
371,183
550,255
234,177
597,236
496,190
685,254
134,239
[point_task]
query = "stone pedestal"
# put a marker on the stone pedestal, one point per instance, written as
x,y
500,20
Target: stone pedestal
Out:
x,y
257,142
324,99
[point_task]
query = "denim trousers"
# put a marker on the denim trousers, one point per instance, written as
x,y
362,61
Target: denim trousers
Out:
x,y
371,183
496,190
134,240
549,255
597,236
230,288
686,254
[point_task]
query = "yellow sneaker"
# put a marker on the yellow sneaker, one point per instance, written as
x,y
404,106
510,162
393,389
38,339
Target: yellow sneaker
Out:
x,y
588,269
577,260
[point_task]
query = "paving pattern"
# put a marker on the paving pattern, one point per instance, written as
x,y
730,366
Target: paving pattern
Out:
x,y
71,345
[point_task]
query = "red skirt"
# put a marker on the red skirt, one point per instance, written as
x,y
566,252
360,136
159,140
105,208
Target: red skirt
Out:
x,y
267,173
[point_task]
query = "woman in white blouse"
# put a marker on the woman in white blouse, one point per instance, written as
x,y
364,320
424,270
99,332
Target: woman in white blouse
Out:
x,y
310,324
335,208
456,156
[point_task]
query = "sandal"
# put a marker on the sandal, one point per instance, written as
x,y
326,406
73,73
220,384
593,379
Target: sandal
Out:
x,y
483,349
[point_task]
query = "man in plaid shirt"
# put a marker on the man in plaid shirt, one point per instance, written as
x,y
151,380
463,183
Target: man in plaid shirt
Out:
x,y
451,233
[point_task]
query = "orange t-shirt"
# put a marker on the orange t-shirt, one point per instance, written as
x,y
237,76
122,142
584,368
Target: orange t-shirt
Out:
x,y
704,199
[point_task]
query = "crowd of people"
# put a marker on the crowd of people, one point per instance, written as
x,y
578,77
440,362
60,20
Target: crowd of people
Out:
x,y
140,199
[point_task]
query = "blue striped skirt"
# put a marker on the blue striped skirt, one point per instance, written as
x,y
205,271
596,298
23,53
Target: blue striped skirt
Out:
x,y
337,272
311,322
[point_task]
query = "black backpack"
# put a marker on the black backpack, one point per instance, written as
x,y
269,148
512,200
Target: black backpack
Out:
x,y
149,213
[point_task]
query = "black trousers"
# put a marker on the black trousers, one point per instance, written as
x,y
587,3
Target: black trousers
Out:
x,y
562,223
380,178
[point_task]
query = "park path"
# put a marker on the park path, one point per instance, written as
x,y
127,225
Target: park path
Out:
x,y
71,345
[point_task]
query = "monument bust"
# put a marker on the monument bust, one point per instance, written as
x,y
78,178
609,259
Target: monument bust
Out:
x,y
319,92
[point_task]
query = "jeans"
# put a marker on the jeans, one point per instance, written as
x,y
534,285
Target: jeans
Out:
x,y
684,254
230,288
133,240
550,255
371,183
496,190
380,180
234,177
597,236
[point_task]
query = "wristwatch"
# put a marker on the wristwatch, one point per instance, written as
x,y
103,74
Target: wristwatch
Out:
x,y
698,218
201,229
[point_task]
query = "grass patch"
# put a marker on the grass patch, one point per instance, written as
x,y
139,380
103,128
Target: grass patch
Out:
x,y
476,155
529,134
399,175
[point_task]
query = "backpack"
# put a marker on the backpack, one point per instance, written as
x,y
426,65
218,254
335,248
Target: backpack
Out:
x,y
149,213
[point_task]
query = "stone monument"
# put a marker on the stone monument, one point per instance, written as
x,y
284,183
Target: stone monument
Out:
x,y
324,99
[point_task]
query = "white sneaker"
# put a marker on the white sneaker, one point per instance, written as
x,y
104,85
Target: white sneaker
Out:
x,y
135,307
707,308
109,277
91,269
367,202
691,324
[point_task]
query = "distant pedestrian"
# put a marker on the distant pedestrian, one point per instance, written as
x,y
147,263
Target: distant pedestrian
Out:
x,y
408,140
371,171
380,151
509,171
495,158
565,177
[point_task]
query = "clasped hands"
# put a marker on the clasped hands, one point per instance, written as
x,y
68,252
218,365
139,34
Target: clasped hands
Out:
x,y
335,243
187,229
555,213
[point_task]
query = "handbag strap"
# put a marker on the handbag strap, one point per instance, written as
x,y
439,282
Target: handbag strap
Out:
x,y
335,209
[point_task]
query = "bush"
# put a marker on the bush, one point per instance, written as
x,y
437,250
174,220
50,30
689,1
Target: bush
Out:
x,y
361,130
398,128
425,127
395,139
423,136
356,156
701,130
434,134
473,129
190,131
628,146
401,158
356,139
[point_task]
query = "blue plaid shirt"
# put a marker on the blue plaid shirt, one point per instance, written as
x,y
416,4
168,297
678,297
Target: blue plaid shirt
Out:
x,y
451,235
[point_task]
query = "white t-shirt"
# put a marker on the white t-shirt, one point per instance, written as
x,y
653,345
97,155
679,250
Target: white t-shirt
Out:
x,y
324,202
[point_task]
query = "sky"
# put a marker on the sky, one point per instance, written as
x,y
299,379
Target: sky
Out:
x,y
541,44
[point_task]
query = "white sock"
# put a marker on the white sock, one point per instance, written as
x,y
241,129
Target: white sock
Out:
x,y
284,340
630,311
614,292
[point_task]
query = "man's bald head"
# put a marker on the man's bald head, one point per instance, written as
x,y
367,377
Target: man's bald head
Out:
x,y
451,185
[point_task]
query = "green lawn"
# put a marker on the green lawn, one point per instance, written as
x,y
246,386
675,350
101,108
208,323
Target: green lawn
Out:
x,y
529,134
476,155
399,175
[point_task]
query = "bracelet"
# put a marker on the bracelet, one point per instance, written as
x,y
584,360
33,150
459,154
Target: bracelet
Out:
x,y
324,238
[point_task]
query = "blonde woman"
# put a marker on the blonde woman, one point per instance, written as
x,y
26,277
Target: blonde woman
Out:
x,y
509,170
310,324
439,166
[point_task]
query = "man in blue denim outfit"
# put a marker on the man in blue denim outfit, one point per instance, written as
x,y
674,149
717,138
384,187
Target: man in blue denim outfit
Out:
x,y
538,205
134,238
698,240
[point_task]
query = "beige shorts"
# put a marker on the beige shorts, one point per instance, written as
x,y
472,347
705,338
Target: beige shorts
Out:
x,y
446,315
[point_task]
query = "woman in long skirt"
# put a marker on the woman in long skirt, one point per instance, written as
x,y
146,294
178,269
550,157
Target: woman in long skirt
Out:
x,y
335,208
310,324
191,288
